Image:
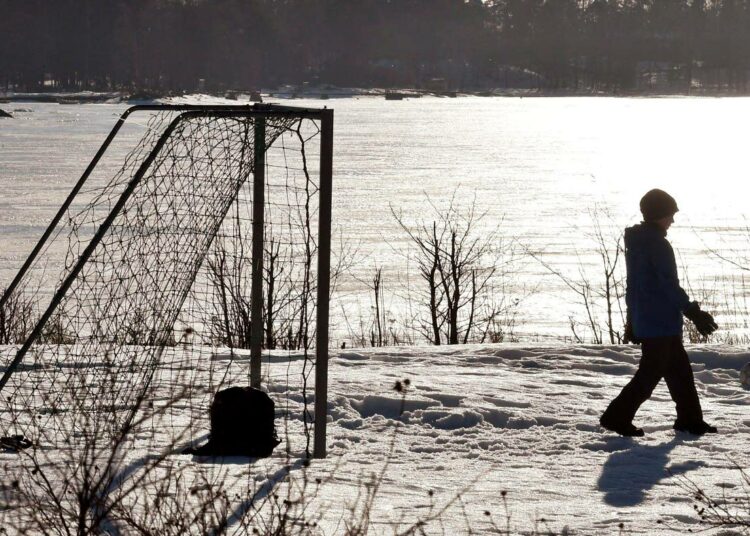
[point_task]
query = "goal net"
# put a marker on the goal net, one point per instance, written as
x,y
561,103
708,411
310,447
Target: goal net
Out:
x,y
206,252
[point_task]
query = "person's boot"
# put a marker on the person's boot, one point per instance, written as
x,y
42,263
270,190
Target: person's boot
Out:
x,y
624,429
695,428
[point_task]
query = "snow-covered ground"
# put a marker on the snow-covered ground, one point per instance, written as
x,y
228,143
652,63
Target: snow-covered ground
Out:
x,y
479,421
524,420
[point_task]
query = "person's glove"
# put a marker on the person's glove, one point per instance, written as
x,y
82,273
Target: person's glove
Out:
x,y
703,321
628,337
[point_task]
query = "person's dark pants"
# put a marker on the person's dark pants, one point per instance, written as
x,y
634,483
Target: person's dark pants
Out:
x,y
663,357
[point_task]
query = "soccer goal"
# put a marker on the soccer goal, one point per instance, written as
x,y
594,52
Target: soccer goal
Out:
x,y
195,245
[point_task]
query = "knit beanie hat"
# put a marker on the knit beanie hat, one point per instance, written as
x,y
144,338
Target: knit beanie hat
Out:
x,y
657,204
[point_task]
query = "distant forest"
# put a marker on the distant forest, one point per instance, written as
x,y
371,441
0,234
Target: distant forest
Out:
x,y
219,45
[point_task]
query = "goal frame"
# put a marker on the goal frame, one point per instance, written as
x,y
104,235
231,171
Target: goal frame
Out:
x,y
259,112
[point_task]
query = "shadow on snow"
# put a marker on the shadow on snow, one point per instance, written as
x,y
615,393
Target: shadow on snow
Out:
x,y
629,473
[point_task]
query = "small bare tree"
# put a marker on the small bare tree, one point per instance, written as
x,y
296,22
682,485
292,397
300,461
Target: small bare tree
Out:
x,y
377,333
597,296
458,263
229,272
230,321
380,327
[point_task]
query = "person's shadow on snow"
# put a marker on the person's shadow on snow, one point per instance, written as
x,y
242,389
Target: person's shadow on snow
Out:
x,y
633,469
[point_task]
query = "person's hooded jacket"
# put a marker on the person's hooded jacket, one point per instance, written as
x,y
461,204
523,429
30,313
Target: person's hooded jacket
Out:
x,y
654,296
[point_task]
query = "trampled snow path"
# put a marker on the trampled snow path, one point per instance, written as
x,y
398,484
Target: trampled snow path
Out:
x,y
525,420
481,420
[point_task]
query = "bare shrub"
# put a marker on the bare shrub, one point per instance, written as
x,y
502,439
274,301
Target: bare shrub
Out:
x,y
602,299
289,289
56,331
287,296
378,322
730,509
16,316
78,471
463,269
728,293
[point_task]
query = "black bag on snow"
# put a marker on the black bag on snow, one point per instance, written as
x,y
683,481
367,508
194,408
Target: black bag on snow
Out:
x,y
242,424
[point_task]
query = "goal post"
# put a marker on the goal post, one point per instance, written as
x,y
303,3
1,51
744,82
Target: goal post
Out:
x,y
134,252
324,267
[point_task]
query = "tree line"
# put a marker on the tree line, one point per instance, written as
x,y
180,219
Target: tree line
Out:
x,y
597,45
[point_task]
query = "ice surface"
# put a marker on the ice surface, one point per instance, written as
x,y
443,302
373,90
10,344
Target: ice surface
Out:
x,y
537,166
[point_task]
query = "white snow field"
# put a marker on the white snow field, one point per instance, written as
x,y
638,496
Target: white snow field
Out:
x,y
505,429
524,420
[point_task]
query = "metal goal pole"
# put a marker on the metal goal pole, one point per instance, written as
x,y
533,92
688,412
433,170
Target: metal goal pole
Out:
x,y
256,291
324,283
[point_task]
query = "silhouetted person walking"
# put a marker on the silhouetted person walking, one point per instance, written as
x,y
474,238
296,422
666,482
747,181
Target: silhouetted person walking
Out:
x,y
655,305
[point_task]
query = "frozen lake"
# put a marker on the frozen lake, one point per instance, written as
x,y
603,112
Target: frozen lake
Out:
x,y
538,166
